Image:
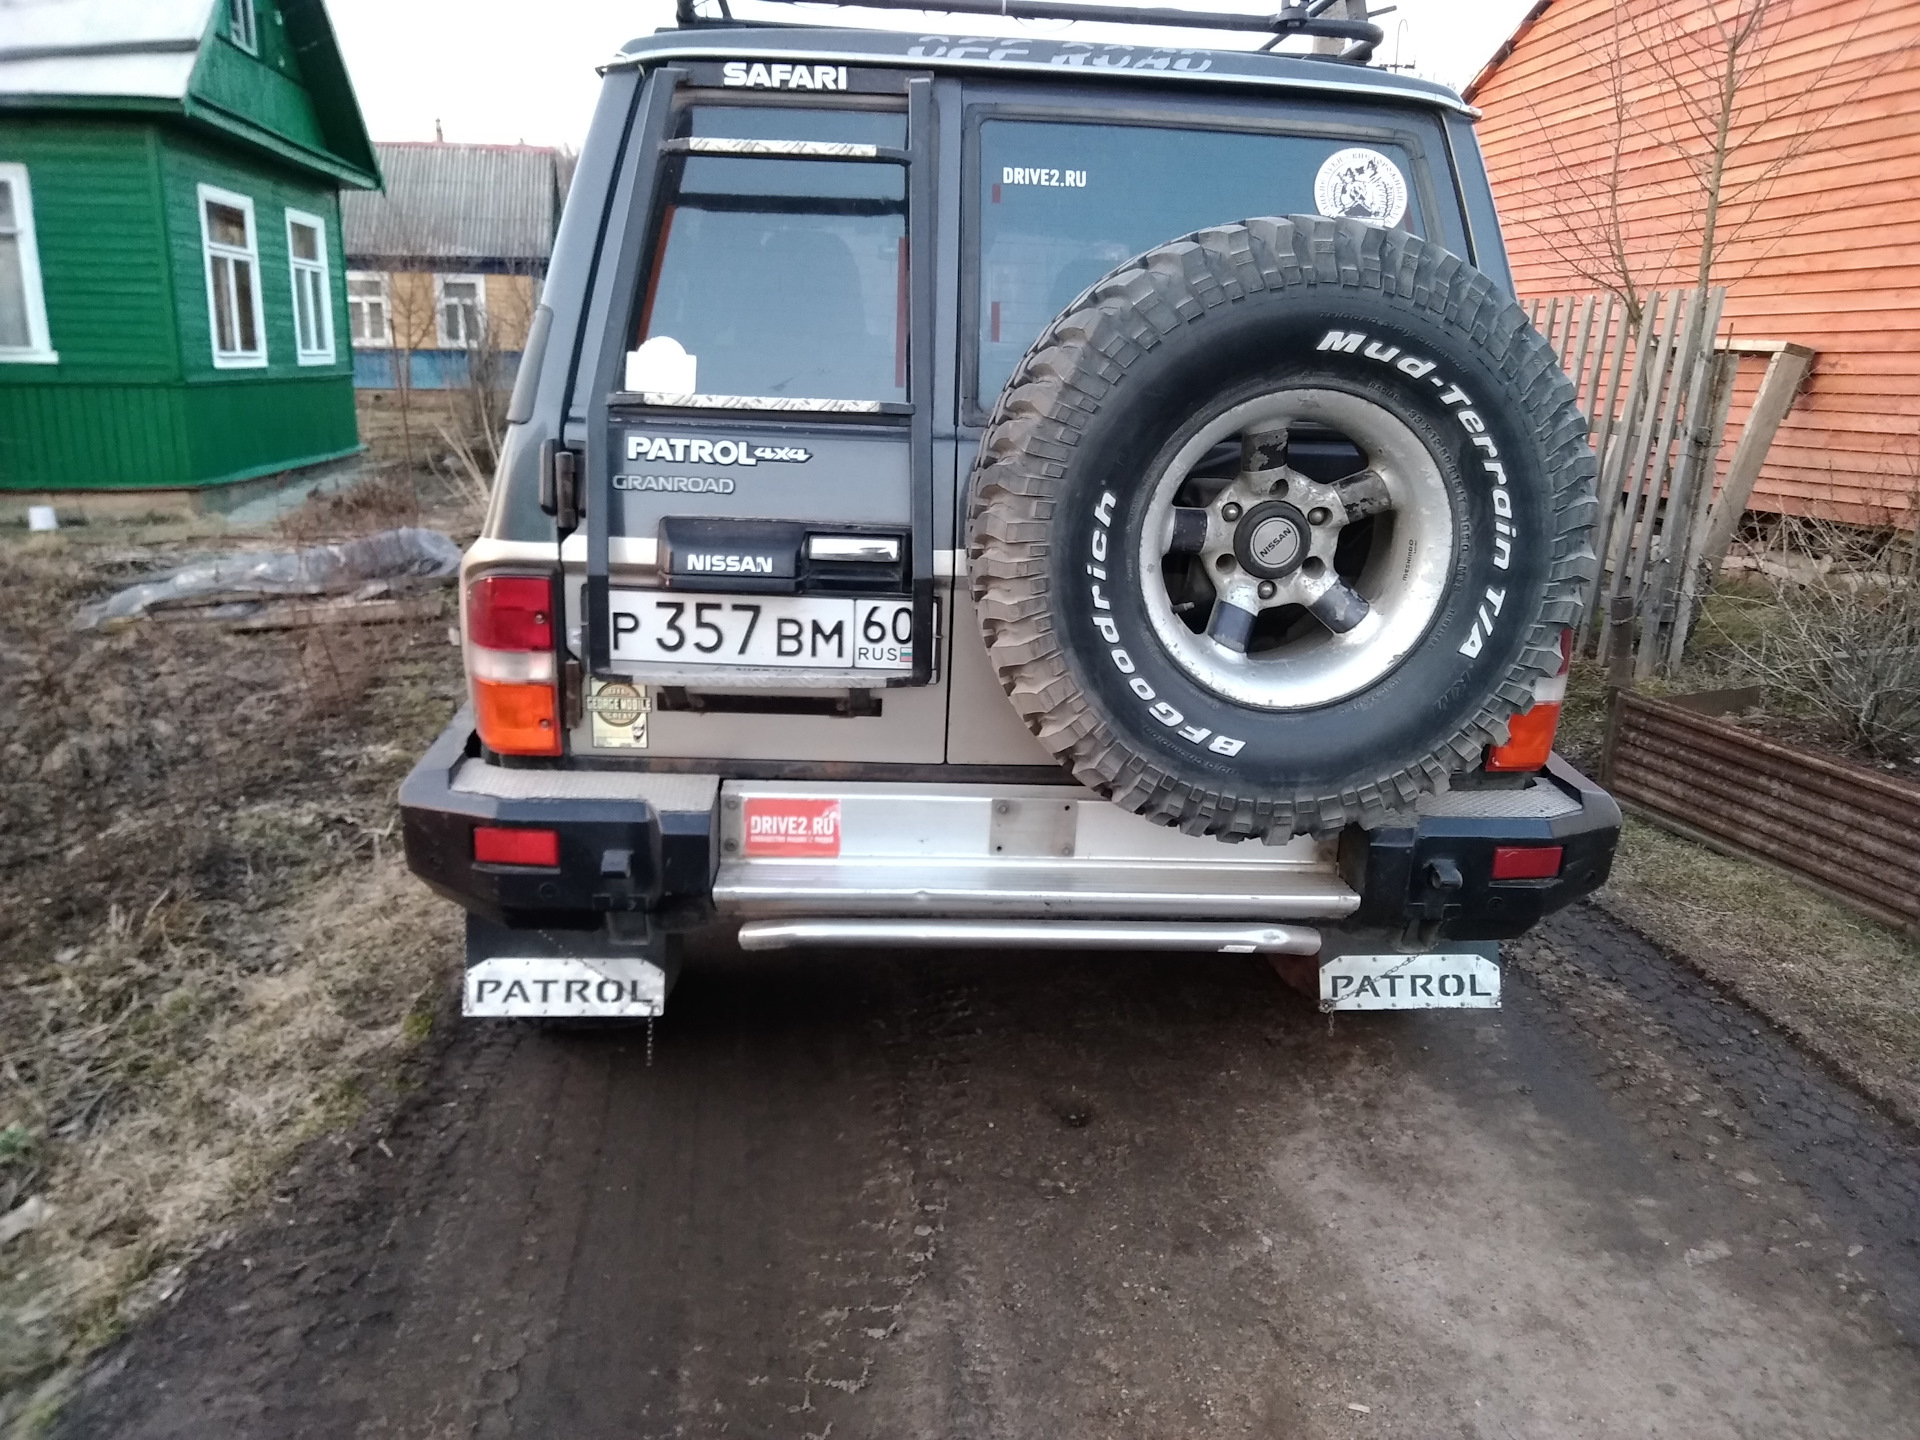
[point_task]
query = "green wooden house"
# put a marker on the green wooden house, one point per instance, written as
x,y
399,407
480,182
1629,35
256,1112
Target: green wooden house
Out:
x,y
172,296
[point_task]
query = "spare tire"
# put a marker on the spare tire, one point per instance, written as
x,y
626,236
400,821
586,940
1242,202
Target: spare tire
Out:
x,y
1276,526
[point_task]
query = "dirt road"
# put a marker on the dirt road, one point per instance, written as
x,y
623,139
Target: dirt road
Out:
x,y
1043,1196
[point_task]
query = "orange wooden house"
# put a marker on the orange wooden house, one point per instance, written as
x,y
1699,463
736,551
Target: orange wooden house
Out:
x,y
1602,131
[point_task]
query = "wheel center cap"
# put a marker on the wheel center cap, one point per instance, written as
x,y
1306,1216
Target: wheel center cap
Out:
x,y
1272,540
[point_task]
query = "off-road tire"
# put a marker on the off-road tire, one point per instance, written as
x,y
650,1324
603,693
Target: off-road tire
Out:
x,y
1098,406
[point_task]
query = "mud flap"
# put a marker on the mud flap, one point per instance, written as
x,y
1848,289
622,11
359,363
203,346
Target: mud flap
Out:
x,y
1362,972
622,971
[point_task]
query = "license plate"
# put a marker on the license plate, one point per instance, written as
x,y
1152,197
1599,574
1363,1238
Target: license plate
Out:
x,y
565,987
799,632
1462,981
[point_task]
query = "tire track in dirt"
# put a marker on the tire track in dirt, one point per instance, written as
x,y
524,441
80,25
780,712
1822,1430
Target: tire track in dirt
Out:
x,y
1029,1195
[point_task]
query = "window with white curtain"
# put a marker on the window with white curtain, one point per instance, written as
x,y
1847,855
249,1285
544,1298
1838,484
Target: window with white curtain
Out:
x,y
369,309
312,295
233,279
462,310
23,306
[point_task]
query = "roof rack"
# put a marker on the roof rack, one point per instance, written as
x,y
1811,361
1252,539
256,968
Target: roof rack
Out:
x,y
1295,17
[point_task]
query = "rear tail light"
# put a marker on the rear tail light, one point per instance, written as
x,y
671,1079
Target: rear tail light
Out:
x,y
499,845
510,664
1526,862
1530,736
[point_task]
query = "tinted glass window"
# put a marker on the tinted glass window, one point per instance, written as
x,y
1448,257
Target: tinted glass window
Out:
x,y
1062,204
783,278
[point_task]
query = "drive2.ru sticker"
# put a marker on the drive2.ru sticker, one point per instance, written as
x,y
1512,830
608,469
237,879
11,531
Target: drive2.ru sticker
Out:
x,y
796,826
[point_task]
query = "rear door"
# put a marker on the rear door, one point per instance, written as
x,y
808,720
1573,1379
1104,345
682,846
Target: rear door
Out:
x,y
759,468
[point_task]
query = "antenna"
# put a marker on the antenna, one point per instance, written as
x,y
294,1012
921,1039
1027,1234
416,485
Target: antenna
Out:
x,y
1295,17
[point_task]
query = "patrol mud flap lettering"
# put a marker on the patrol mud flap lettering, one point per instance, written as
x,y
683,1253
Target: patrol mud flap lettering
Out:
x,y
565,987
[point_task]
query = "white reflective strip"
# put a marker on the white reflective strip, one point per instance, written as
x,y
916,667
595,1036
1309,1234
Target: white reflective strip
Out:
x,y
1549,687
510,667
760,402
712,145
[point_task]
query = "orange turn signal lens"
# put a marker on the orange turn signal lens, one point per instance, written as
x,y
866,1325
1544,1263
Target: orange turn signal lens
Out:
x,y
517,719
1529,739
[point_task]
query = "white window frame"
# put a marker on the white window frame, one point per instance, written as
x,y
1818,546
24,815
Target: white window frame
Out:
x,y
239,359
296,267
243,25
440,282
39,347
385,340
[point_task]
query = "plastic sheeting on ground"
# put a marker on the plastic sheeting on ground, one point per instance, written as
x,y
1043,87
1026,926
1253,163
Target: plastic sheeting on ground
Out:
x,y
404,559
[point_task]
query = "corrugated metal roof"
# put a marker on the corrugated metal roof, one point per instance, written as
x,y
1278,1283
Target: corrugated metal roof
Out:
x,y
477,203
100,47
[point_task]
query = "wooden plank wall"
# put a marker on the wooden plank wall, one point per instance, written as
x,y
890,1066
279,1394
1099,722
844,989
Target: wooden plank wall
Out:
x,y
1824,251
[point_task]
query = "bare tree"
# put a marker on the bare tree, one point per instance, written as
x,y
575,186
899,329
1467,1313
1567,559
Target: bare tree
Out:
x,y
412,305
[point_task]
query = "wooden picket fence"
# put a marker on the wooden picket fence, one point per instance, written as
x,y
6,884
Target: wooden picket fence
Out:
x,y
1658,396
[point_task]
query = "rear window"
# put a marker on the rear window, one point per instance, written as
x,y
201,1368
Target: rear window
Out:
x,y
1063,203
782,277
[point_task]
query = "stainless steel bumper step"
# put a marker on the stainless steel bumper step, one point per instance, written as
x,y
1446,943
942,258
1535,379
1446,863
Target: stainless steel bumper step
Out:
x,y
1042,934
1078,889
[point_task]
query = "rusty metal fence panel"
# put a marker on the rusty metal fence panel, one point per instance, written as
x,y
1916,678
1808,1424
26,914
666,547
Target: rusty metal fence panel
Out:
x,y
1850,831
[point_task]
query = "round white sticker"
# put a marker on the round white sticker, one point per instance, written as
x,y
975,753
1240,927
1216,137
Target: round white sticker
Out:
x,y
1361,184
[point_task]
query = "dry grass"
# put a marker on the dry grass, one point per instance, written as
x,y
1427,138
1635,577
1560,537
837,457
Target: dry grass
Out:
x,y
238,1064
209,947
1845,986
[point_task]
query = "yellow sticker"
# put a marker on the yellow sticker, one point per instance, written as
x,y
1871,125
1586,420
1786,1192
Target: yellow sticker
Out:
x,y
619,713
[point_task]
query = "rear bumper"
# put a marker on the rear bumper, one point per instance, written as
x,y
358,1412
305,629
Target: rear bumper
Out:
x,y
677,849
1405,876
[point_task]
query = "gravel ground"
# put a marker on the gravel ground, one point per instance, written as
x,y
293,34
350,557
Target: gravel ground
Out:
x,y
1026,1195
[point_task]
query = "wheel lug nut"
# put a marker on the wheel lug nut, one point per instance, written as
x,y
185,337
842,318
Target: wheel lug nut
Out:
x,y
1319,515
1268,589
1229,511
1225,562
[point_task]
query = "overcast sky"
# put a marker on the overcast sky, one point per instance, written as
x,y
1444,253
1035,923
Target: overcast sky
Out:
x,y
522,70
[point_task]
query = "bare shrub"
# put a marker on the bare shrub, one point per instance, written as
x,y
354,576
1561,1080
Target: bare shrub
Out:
x,y
1842,635
384,500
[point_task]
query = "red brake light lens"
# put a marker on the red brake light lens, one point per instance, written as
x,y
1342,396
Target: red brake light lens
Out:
x,y
1526,862
511,612
498,845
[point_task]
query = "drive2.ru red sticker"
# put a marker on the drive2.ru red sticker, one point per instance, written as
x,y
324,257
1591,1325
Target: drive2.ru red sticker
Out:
x,y
778,825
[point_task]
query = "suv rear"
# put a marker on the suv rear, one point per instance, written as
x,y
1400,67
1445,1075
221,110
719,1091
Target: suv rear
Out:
x,y
779,624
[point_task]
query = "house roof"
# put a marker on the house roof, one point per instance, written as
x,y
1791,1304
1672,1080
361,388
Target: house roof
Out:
x,y
481,205
101,47
1494,61
152,55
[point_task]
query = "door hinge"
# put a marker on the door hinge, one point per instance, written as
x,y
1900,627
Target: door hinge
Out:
x,y
560,485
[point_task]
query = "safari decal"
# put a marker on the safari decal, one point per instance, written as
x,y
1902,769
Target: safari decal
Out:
x,y
762,75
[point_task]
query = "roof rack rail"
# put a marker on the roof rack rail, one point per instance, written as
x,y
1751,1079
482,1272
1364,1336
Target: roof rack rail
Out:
x,y
1295,17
